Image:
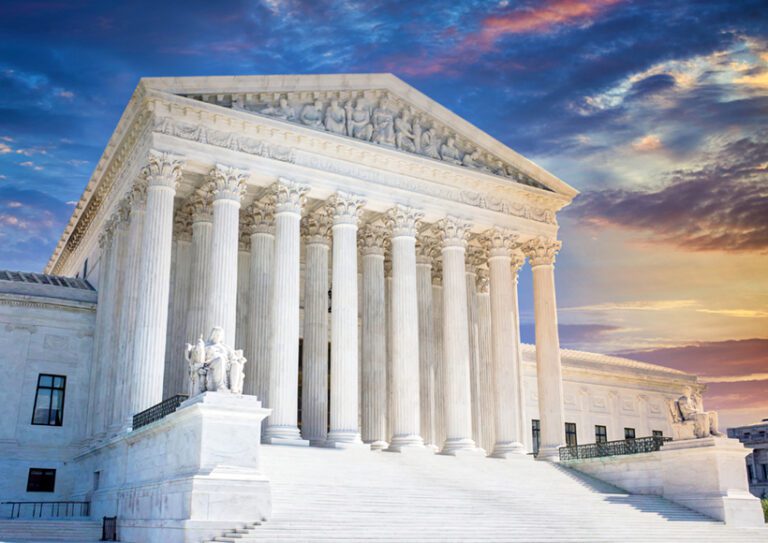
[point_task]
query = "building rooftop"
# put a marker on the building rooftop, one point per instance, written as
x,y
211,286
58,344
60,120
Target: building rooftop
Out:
x,y
45,279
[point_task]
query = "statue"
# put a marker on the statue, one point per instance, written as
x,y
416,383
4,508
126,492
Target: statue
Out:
x,y
214,366
281,111
449,152
358,121
429,143
312,114
335,118
418,129
688,411
404,136
383,123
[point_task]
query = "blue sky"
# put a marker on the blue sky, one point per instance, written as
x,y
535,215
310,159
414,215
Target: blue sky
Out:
x,y
656,111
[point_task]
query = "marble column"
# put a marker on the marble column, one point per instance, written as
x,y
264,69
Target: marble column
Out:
x,y
454,233
227,186
344,428
406,421
372,241
438,415
426,248
485,360
243,283
474,257
541,254
138,201
316,230
503,269
282,425
261,224
388,300
176,380
199,276
162,174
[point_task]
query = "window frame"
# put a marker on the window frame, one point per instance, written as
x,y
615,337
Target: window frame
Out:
x,y
603,434
657,433
50,388
568,433
628,430
44,471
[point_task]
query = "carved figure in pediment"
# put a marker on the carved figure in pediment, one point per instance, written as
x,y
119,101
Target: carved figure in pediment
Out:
x,y
383,123
404,136
282,110
449,152
358,121
430,143
497,167
418,130
335,118
312,114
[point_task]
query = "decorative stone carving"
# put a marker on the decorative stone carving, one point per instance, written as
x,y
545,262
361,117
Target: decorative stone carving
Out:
x,y
227,183
403,220
383,120
312,114
689,420
200,205
162,169
500,241
475,257
449,152
335,118
542,251
281,110
261,215
289,196
182,223
483,280
453,231
373,239
345,207
427,248
437,271
214,366
359,121
316,228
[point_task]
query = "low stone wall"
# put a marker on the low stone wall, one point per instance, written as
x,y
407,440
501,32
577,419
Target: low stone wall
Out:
x,y
706,475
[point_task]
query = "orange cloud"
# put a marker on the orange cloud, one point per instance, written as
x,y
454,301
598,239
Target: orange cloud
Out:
x,y
651,142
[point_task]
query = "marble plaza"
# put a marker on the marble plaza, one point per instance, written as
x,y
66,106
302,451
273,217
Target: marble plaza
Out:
x,y
329,263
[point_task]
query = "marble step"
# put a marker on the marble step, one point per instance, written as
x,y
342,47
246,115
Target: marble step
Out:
x,y
79,531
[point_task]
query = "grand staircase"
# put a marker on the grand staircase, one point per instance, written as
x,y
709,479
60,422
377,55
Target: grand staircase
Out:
x,y
39,531
324,495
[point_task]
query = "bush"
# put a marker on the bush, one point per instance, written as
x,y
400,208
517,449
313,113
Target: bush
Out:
x,y
764,501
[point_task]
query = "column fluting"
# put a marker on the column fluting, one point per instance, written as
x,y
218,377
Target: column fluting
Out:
x,y
345,210
199,276
284,366
426,248
485,360
438,414
473,258
243,283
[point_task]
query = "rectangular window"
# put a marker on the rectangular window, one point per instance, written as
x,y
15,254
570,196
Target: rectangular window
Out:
x,y
49,400
601,434
41,480
570,434
629,433
657,433
536,432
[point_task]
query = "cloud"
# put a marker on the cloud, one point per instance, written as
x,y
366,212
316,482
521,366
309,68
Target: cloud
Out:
x,y
5,149
720,205
738,313
30,164
736,378
640,305
572,336
651,142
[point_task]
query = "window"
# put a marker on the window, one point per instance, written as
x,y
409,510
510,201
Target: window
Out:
x,y
85,269
41,480
629,433
570,434
536,432
657,433
601,434
49,400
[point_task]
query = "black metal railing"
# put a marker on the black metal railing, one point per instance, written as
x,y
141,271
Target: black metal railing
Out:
x,y
157,412
109,529
613,448
49,509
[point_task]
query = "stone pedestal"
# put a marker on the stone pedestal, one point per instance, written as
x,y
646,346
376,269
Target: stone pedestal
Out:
x,y
708,476
188,476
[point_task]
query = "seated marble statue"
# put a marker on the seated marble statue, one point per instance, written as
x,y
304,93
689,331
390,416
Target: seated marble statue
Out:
x,y
358,121
383,123
429,143
449,152
312,114
214,366
687,410
404,135
335,118
282,110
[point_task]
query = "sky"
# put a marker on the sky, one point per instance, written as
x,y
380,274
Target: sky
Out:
x,y
656,111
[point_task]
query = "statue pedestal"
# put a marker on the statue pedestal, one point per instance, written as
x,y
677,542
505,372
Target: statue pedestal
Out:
x,y
189,476
708,476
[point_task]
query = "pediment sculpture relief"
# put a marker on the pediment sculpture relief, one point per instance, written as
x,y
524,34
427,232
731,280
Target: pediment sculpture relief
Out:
x,y
376,117
214,366
689,420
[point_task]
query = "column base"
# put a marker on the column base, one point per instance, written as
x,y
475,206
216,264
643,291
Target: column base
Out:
x,y
508,449
283,435
409,443
549,454
454,446
378,445
351,437
350,445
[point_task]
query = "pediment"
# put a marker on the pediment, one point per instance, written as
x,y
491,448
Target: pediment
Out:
x,y
378,109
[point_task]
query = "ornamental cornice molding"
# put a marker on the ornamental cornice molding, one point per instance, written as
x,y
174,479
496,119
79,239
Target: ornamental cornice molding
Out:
x,y
26,302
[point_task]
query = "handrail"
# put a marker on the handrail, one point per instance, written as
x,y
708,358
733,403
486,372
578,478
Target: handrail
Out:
x,y
159,411
613,448
56,509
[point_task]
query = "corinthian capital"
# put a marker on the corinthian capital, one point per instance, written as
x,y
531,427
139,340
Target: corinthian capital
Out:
x,y
541,251
500,241
289,196
345,208
403,221
427,248
162,170
182,223
372,240
453,231
200,205
261,216
316,228
476,257
483,280
137,196
227,183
